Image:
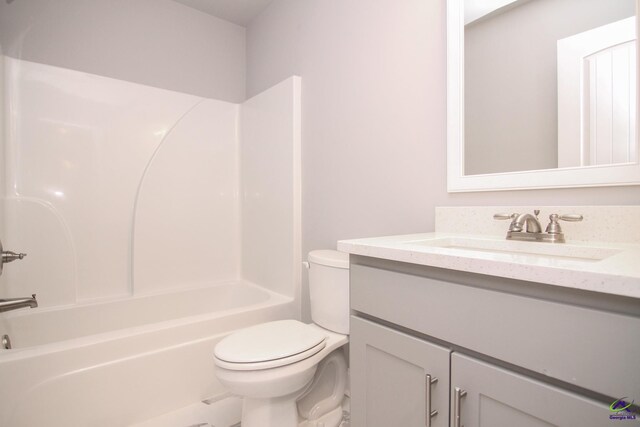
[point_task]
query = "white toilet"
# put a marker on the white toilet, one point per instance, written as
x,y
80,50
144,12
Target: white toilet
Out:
x,y
290,373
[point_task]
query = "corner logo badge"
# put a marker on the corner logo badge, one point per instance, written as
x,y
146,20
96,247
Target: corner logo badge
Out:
x,y
623,410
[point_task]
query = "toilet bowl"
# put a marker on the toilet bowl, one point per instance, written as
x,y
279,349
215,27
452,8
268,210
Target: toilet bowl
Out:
x,y
289,372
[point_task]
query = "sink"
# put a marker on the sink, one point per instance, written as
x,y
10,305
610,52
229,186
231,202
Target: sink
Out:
x,y
565,251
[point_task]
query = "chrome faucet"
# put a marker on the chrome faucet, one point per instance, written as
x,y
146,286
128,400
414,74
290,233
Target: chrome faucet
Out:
x,y
527,227
8,304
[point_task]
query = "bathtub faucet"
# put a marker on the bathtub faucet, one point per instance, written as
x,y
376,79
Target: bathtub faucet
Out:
x,y
8,304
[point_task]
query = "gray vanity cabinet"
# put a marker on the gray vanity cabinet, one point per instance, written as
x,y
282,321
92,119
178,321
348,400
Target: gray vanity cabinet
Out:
x,y
521,353
495,397
390,386
396,378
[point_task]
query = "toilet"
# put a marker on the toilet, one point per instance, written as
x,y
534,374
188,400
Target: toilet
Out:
x,y
289,373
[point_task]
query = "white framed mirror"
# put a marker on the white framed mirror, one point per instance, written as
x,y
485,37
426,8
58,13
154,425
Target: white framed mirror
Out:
x,y
542,94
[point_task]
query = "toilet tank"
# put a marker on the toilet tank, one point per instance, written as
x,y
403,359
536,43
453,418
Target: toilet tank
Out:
x,y
329,289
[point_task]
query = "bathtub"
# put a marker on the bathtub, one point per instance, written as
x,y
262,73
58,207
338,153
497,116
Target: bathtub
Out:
x,y
120,362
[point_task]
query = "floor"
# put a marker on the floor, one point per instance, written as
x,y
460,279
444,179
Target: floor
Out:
x,y
220,413
224,412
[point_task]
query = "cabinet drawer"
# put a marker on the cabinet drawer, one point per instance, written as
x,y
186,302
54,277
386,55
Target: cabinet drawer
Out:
x,y
589,348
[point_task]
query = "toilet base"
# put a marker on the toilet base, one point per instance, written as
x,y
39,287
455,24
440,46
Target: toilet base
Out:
x,y
331,419
273,412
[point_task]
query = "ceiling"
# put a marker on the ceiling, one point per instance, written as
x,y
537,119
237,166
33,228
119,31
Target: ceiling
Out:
x,y
239,12
476,9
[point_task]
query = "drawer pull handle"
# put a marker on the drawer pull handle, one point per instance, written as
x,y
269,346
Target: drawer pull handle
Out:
x,y
458,394
429,413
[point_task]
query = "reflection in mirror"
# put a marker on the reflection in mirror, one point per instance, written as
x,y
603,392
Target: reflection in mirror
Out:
x,y
548,84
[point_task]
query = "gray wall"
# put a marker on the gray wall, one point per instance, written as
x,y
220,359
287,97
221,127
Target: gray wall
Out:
x,y
159,43
511,97
374,116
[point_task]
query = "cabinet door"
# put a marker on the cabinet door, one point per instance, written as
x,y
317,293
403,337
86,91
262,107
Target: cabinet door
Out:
x,y
390,374
496,397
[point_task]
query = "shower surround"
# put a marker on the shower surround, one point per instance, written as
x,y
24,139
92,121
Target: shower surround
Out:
x,y
143,211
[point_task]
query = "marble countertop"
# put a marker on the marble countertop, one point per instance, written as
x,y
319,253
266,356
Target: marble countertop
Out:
x,y
611,268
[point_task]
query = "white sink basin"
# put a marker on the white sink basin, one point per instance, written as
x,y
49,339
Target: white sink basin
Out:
x,y
548,250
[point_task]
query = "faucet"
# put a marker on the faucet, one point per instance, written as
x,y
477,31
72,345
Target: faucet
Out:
x,y
8,304
528,222
527,227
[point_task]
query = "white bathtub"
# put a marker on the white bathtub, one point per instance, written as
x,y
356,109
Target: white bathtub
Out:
x,y
124,361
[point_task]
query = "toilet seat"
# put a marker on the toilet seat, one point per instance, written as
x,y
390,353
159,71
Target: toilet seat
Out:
x,y
269,345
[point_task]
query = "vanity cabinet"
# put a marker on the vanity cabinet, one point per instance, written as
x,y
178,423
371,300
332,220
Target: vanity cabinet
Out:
x,y
397,379
515,353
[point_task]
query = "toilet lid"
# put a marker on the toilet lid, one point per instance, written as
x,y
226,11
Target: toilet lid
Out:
x,y
269,342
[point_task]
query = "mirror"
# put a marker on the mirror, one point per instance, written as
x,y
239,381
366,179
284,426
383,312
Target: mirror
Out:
x,y
542,94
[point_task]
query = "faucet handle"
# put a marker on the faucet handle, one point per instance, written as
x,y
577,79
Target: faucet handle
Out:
x,y
505,216
512,217
554,226
571,217
8,256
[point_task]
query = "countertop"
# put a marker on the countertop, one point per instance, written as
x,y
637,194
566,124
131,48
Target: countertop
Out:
x,y
617,273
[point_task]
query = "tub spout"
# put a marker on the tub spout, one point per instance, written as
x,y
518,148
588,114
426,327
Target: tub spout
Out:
x,y
8,304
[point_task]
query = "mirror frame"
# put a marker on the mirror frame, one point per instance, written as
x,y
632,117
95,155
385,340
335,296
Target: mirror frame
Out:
x,y
585,176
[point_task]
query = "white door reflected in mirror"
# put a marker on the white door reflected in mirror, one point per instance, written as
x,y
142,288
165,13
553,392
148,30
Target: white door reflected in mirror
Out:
x,y
597,96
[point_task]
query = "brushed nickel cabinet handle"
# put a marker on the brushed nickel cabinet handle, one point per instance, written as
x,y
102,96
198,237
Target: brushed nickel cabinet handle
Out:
x,y
429,413
458,394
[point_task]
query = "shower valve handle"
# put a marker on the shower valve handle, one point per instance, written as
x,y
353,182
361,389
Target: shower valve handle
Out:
x,y
9,256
